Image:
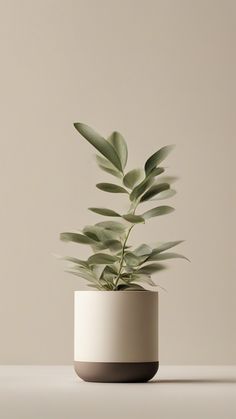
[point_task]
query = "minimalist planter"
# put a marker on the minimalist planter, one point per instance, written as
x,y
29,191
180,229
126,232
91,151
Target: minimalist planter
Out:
x,y
116,335
116,327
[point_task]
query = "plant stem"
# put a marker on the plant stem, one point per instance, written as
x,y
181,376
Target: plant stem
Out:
x,y
123,249
122,257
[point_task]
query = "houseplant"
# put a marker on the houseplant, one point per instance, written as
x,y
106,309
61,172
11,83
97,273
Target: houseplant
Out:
x,y
116,332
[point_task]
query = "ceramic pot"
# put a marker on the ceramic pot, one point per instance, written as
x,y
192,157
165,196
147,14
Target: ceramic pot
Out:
x,y
116,335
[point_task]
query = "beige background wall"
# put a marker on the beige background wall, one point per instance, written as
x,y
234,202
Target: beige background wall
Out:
x,y
160,72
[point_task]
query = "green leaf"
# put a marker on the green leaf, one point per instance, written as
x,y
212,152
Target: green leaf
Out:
x,y
96,286
134,219
165,246
131,259
112,225
91,231
109,273
128,270
82,274
76,237
167,179
113,245
157,158
151,268
165,256
101,234
154,212
105,211
108,238
143,250
103,146
133,177
141,188
105,235
110,187
111,269
98,270
98,246
154,190
107,285
157,171
144,278
140,259
130,287
108,167
119,144
102,258
165,194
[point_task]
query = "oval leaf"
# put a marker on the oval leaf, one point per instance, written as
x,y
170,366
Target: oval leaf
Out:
x,y
133,177
76,237
143,250
111,270
157,158
103,146
151,268
165,195
113,245
100,234
134,219
102,258
143,278
108,167
165,256
83,274
105,235
165,246
98,246
119,144
112,225
98,270
110,187
91,231
130,287
105,211
131,259
157,171
154,212
141,188
154,190
167,179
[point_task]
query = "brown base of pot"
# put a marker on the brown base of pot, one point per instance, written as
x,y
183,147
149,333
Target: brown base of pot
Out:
x,y
116,372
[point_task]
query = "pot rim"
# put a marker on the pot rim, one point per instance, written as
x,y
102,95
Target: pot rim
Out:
x,y
117,292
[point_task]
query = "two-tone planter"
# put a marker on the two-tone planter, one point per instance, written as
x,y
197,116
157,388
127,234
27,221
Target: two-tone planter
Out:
x,y
116,335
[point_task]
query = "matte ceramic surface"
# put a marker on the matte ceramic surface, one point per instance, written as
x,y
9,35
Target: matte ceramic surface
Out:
x,y
116,372
116,335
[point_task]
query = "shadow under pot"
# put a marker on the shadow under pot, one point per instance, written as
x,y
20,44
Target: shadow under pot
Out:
x,y
116,335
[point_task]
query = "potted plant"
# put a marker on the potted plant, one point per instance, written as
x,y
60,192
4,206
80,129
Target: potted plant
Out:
x,y
116,326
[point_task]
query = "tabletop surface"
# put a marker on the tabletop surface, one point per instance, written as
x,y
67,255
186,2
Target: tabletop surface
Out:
x,y
48,392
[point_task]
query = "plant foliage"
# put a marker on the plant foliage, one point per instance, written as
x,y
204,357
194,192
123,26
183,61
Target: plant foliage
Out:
x,y
113,265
